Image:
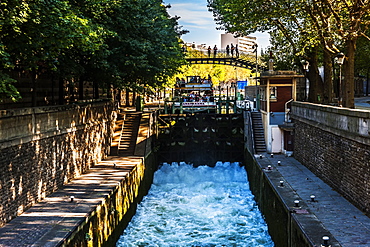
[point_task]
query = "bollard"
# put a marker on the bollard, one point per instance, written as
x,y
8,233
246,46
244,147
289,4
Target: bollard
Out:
x,y
326,241
312,198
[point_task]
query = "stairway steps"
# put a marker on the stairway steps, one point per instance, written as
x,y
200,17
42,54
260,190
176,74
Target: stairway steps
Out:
x,y
258,133
125,134
128,135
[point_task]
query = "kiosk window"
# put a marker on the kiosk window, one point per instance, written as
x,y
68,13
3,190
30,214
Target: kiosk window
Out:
x,y
273,93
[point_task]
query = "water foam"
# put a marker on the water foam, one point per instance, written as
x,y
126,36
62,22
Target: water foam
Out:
x,y
203,206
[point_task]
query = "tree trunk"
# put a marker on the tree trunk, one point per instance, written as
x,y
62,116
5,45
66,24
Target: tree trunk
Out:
x,y
133,98
348,88
127,98
95,90
328,78
33,87
315,93
81,88
61,91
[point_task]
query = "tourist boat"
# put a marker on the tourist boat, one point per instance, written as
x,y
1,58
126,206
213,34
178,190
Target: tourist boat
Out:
x,y
194,95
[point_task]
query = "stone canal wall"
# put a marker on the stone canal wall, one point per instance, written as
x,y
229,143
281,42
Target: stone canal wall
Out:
x,y
334,143
105,224
288,225
43,148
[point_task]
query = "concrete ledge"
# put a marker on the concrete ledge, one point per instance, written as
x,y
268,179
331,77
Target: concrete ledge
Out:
x,y
329,214
352,123
288,225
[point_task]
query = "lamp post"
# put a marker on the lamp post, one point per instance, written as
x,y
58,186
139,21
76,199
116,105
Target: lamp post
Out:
x,y
232,88
227,91
255,47
340,60
233,85
305,65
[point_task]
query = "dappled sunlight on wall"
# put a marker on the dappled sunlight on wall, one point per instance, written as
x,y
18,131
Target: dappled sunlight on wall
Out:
x,y
41,149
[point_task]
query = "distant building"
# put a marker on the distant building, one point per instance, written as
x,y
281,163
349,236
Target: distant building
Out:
x,y
197,46
245,44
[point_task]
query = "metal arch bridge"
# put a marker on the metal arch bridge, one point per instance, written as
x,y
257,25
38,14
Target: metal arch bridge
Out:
x,y
243,60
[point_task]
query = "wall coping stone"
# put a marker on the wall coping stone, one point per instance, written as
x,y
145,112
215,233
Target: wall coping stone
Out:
x,y
24,125
47,109
353,124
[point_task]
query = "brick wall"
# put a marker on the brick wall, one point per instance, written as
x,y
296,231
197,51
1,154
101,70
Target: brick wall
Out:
x,y
43,148
334,143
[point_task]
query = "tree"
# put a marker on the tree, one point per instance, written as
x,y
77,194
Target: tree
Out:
x,y
127,43
144,48
41,33
290,35
329,24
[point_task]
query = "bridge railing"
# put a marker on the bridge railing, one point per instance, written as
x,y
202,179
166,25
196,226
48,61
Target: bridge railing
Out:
x,y
221,53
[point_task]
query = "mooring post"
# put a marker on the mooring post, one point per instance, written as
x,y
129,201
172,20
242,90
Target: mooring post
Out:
x,y
227,105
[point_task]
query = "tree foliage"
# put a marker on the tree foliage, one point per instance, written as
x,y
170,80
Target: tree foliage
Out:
x,y
121,42
307,27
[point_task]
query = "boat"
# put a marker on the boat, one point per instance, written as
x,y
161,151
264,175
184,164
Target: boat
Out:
x,y
194,95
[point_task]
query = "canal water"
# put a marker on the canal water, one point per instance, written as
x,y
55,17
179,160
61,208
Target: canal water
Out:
x,y
203,206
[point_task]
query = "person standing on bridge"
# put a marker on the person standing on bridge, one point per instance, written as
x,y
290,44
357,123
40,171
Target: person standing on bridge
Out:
x,y
232,50
236,51
214,51
227,50
209,51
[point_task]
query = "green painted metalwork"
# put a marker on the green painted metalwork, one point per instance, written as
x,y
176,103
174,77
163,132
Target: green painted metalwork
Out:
x,y
201,138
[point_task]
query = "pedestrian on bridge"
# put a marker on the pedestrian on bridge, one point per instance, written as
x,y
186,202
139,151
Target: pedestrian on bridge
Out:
x,y
232,50
236,50
214,51
209,51
228,51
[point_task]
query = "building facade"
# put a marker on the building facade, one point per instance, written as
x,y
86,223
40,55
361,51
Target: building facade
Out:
x,y
245,43
276,92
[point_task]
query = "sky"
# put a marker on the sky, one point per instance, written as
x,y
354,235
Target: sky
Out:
x,y
196,18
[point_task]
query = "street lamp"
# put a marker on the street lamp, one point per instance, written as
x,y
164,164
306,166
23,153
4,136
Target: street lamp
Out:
x,y
305,65
340,60
232,87
255,47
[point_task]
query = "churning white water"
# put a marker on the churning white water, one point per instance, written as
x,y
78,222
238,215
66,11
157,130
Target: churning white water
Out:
x,y
203,206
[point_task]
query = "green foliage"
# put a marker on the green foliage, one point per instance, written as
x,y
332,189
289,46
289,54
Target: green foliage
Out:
x,y
302,28
362,61
7,90
121,42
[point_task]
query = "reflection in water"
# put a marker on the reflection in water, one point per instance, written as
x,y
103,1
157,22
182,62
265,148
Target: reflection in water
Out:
x,y
201,206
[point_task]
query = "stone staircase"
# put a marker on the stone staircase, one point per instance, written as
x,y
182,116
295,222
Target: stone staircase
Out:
x,y
258,133
125,134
